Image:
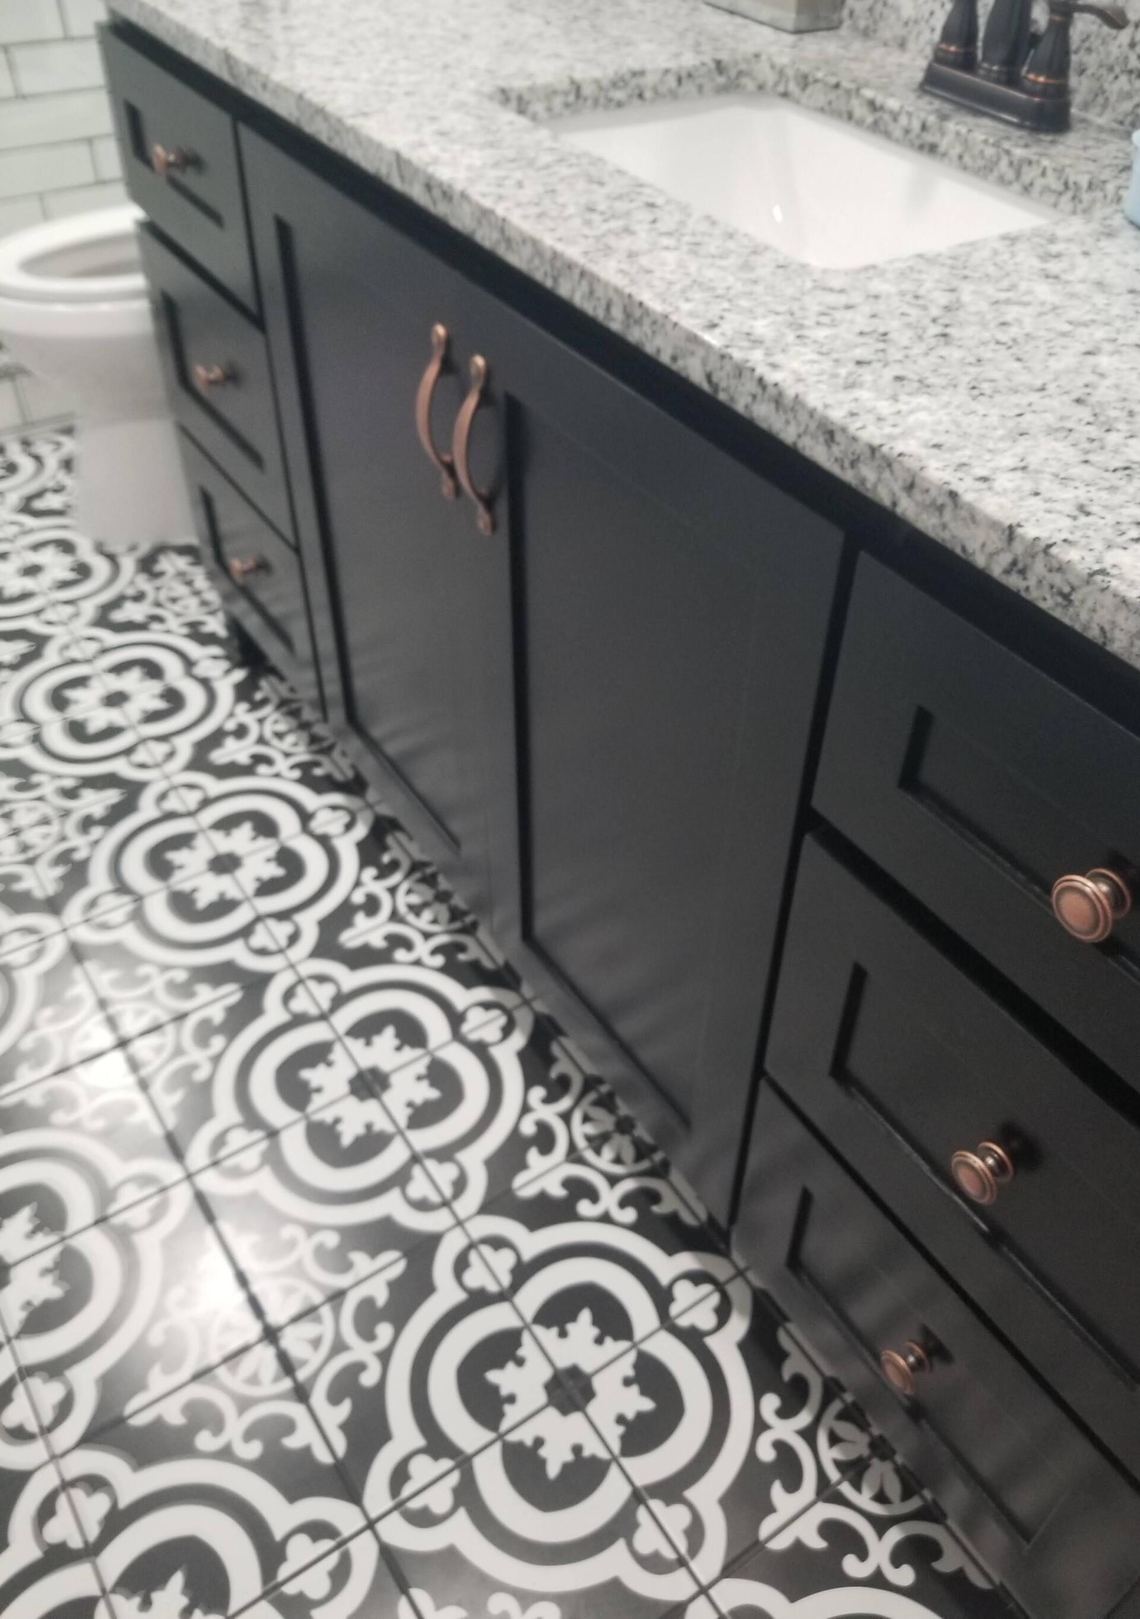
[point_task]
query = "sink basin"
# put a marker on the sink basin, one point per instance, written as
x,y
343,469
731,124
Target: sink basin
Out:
x,y
816,188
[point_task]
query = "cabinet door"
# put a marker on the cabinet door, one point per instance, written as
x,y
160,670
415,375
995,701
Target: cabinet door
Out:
x,y
350,306
669,611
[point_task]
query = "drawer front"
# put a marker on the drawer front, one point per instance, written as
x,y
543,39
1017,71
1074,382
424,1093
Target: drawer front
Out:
x,y
219,380
258,575
1014,1473
197,197
978,781
896,1053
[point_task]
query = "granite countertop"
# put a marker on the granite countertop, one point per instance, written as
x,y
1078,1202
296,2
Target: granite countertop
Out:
x,y
989,394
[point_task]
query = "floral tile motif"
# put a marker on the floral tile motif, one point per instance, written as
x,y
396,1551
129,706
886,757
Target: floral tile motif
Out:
x,y
328,1579
100,1101
168,591
333,1283
871,1545
448,1063
204,1074
605,1233
23,1449
173,950
203,1536
51,1018
119,1315
22,932
46,1571
719,1416
270,732
309,1209
50,827
245,1409
401,910
503,1526
446,1585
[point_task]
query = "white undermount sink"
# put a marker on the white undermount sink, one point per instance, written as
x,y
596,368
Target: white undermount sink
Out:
x,y
815,187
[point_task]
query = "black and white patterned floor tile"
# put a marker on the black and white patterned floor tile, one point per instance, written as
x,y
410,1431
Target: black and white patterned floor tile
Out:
x,y
333,1284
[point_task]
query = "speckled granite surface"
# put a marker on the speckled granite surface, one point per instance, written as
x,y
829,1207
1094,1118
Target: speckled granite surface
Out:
x,y
990,394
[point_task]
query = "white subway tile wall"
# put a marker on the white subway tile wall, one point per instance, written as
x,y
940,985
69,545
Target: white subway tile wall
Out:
x,y
57,153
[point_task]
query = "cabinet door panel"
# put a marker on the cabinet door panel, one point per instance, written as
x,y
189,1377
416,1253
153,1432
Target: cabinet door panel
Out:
x,y
354,303
669,612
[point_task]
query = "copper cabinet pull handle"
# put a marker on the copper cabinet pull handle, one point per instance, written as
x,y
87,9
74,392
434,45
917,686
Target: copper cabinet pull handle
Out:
x,y
167,160
425,393
1089,907
980,1175
212,376
241,568
461,445
902,1368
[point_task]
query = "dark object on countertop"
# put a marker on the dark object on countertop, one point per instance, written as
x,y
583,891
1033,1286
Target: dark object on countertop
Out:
x,y
1005,44
1023,78
958,45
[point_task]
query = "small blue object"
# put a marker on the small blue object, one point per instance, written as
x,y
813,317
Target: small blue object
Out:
x,y
1132,200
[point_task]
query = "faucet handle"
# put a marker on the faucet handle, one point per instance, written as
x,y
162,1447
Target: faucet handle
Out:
x,y
1046,76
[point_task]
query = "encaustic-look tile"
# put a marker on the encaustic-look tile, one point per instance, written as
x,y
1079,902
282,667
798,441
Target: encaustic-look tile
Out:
x,y
120,1314
51,1018
333,1283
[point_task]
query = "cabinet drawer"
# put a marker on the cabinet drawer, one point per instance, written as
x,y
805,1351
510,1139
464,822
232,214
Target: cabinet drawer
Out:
x,y
197,198
977,780
900,1056
268,596
1013,1471
218,378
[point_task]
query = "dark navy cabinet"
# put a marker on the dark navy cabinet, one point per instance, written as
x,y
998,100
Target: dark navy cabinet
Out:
x,y
765,794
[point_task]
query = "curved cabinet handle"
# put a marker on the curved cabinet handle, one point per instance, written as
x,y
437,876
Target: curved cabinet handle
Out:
x,y
1089,907
425,393
212,376
461,445
167,160
243,568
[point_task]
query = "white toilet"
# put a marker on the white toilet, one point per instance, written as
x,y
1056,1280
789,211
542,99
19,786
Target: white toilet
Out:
x,y
74,310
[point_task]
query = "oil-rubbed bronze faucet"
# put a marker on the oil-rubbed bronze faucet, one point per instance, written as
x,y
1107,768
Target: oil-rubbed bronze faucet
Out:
x,y
1020,76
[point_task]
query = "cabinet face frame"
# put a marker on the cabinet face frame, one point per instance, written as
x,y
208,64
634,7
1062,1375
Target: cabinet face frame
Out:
x,y
765,556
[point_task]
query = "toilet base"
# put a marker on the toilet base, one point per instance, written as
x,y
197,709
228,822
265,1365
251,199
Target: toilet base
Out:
x,y
130,487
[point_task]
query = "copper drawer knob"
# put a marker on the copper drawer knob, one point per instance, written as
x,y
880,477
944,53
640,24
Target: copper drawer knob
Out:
x,y
981,1174
1089,907
170,160
211,376
241,568
902,1368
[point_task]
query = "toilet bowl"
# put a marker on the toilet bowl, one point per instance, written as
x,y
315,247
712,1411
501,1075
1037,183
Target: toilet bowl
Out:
x,y
74,310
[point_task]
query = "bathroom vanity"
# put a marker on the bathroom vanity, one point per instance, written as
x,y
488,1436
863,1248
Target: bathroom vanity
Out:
x,y
673,670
